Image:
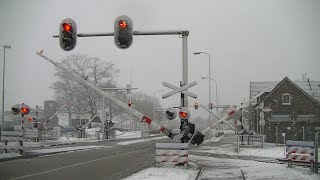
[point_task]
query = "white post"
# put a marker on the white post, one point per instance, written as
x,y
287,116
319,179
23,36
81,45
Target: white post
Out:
x,y
303,136
284,143
316,155
238,144
154,108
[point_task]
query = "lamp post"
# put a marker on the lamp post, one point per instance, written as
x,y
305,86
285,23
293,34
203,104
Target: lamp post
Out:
x,y
197,53
3,75
154,104
217,102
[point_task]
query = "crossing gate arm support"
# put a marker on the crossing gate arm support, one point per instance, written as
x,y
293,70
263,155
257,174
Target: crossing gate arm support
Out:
x,y
85,126
246,104
56,113
200,134
130,110
224,121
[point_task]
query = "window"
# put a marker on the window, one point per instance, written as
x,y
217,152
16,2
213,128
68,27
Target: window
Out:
x,y
286,99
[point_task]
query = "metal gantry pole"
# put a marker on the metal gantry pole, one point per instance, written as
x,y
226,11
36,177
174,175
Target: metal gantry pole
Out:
x,y
184,99
3,78
4,65
154,108
209,79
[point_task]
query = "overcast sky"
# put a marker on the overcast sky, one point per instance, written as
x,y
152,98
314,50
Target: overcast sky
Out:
x,y
249,40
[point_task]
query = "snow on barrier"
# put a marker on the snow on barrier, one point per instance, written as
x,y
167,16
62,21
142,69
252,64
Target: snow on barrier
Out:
x,y
300,151
172,154
12,136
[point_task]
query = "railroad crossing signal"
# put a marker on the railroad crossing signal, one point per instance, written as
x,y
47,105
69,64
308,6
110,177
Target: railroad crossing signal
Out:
x,y
15,109
184,113
196,105
182,89
20,108
171,113
210,105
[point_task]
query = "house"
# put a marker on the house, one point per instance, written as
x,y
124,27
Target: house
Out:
x,y
295,109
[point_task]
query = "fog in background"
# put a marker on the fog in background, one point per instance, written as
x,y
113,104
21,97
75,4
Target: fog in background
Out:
x,y
249,40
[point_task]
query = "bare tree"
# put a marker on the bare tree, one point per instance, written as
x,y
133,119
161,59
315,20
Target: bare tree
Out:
x,y
144,103
80,98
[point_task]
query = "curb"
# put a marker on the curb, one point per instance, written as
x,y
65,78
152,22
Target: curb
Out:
x,y
13,158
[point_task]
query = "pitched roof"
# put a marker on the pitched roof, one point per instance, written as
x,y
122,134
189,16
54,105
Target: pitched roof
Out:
x,y
311,88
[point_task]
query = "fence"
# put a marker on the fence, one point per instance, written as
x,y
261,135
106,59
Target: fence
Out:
x,y
12,136
47,135
32,134
249,141
172,154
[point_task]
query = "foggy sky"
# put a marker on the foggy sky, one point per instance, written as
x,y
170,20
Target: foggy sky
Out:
x,y
249,40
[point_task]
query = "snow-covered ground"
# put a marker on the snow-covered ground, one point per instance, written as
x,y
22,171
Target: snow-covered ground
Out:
x,y
222,168
230,149
8,155
172,173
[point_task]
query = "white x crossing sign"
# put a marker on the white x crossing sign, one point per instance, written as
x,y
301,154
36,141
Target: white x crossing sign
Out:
x,y
182,89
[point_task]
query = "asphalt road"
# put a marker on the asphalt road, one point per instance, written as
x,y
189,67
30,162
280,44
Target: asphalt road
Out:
x,y
111,162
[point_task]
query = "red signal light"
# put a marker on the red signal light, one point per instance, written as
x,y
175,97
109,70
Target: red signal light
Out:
x,y
123,24
30,119
67,27
24,110
183,114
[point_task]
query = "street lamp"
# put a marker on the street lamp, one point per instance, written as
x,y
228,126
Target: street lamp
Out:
x,y
154,103
3,75
197,53
217,102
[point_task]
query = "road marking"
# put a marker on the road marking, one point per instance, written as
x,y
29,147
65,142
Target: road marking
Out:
x,y
77,164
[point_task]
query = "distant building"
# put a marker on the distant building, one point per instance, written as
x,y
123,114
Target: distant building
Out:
x,y
50,108
295,109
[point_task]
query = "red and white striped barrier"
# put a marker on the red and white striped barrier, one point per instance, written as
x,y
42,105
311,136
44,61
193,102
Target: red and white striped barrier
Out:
x,y
302,158
300,151
172,154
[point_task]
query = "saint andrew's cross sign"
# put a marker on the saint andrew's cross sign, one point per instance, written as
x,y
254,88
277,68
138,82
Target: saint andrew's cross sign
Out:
x,y
182,89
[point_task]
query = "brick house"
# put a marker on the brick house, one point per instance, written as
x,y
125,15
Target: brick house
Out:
x,y
295,109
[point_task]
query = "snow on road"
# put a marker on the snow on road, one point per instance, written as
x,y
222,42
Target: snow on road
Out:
x,y
172,173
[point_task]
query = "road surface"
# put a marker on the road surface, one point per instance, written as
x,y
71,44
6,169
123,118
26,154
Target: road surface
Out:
x,y
111,162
